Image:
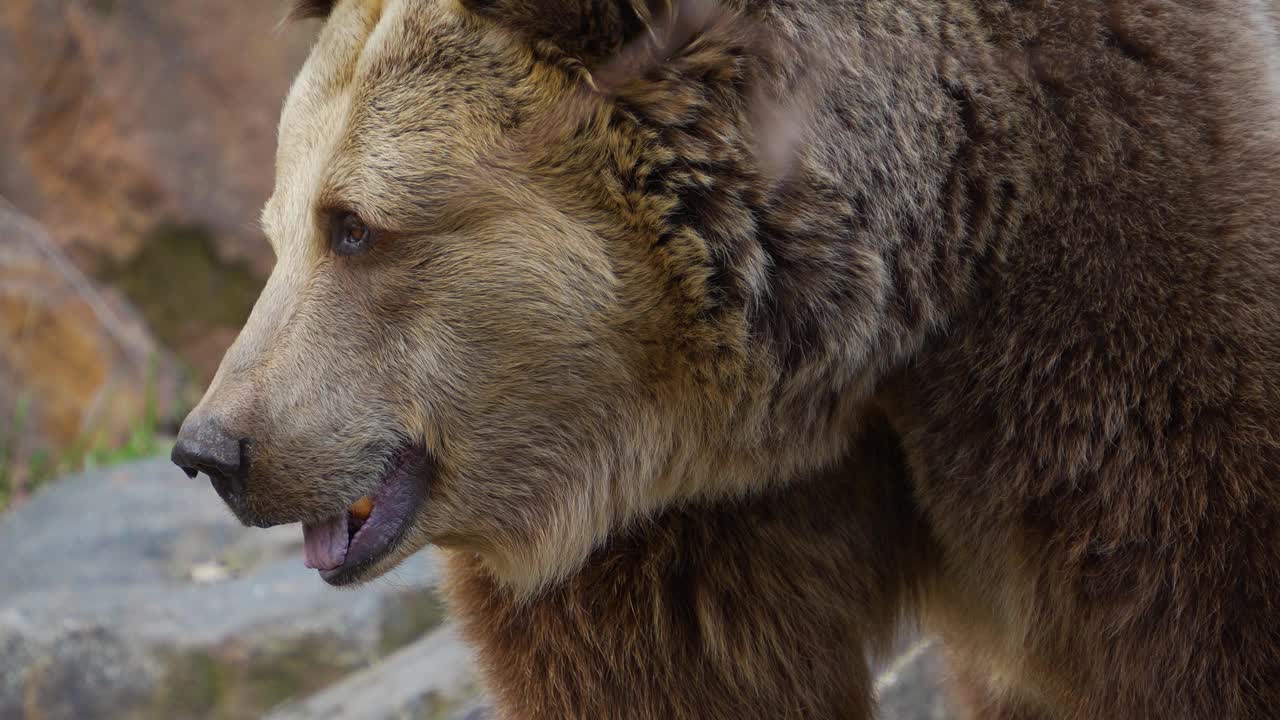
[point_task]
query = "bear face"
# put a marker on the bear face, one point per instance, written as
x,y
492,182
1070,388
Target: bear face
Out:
x,y
489,315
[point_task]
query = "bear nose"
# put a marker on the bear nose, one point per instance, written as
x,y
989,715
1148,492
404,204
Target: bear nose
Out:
x,y
203,445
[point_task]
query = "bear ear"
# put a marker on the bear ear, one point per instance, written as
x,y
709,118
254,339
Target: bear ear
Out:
x,y
589,30
595,32
308,9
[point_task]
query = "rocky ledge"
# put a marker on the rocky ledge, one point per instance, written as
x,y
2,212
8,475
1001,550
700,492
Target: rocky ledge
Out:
x,y
133,593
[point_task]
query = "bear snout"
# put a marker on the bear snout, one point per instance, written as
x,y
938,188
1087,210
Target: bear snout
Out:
x,y
204,445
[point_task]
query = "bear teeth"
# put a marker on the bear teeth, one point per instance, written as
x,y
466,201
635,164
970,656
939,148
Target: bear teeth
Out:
x,y
361,508
358,513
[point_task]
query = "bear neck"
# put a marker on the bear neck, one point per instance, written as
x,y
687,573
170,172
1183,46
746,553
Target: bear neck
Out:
x,y
664,623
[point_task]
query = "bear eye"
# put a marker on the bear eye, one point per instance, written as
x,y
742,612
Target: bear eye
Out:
x,y
350,236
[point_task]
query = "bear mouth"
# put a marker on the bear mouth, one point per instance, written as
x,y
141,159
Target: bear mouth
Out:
x,y
343,545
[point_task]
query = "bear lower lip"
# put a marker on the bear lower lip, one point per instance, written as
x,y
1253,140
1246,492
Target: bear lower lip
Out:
x,y
342,545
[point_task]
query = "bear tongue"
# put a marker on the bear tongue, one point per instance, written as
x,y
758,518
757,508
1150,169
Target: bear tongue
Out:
x,y
326,542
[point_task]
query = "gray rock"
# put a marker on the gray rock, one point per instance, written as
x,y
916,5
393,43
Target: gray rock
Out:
x,y
475,712
910,687
431,679
133,592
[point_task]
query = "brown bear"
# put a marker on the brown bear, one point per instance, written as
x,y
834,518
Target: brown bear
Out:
x,y
712,341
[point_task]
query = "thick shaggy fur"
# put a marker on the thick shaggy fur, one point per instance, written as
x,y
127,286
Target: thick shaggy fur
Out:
x,y
650,274
761,608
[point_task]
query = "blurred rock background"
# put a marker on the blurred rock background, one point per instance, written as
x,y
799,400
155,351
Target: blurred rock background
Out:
x,y
137,141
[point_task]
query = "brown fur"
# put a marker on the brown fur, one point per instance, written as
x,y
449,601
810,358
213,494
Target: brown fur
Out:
x,y
645,342
763,608
310,9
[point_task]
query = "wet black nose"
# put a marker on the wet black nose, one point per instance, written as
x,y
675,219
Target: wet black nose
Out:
x,y
203,446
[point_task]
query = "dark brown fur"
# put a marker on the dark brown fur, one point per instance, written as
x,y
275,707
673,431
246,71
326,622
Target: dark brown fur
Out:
x,y
1090,421
803,317
764,608
310,9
